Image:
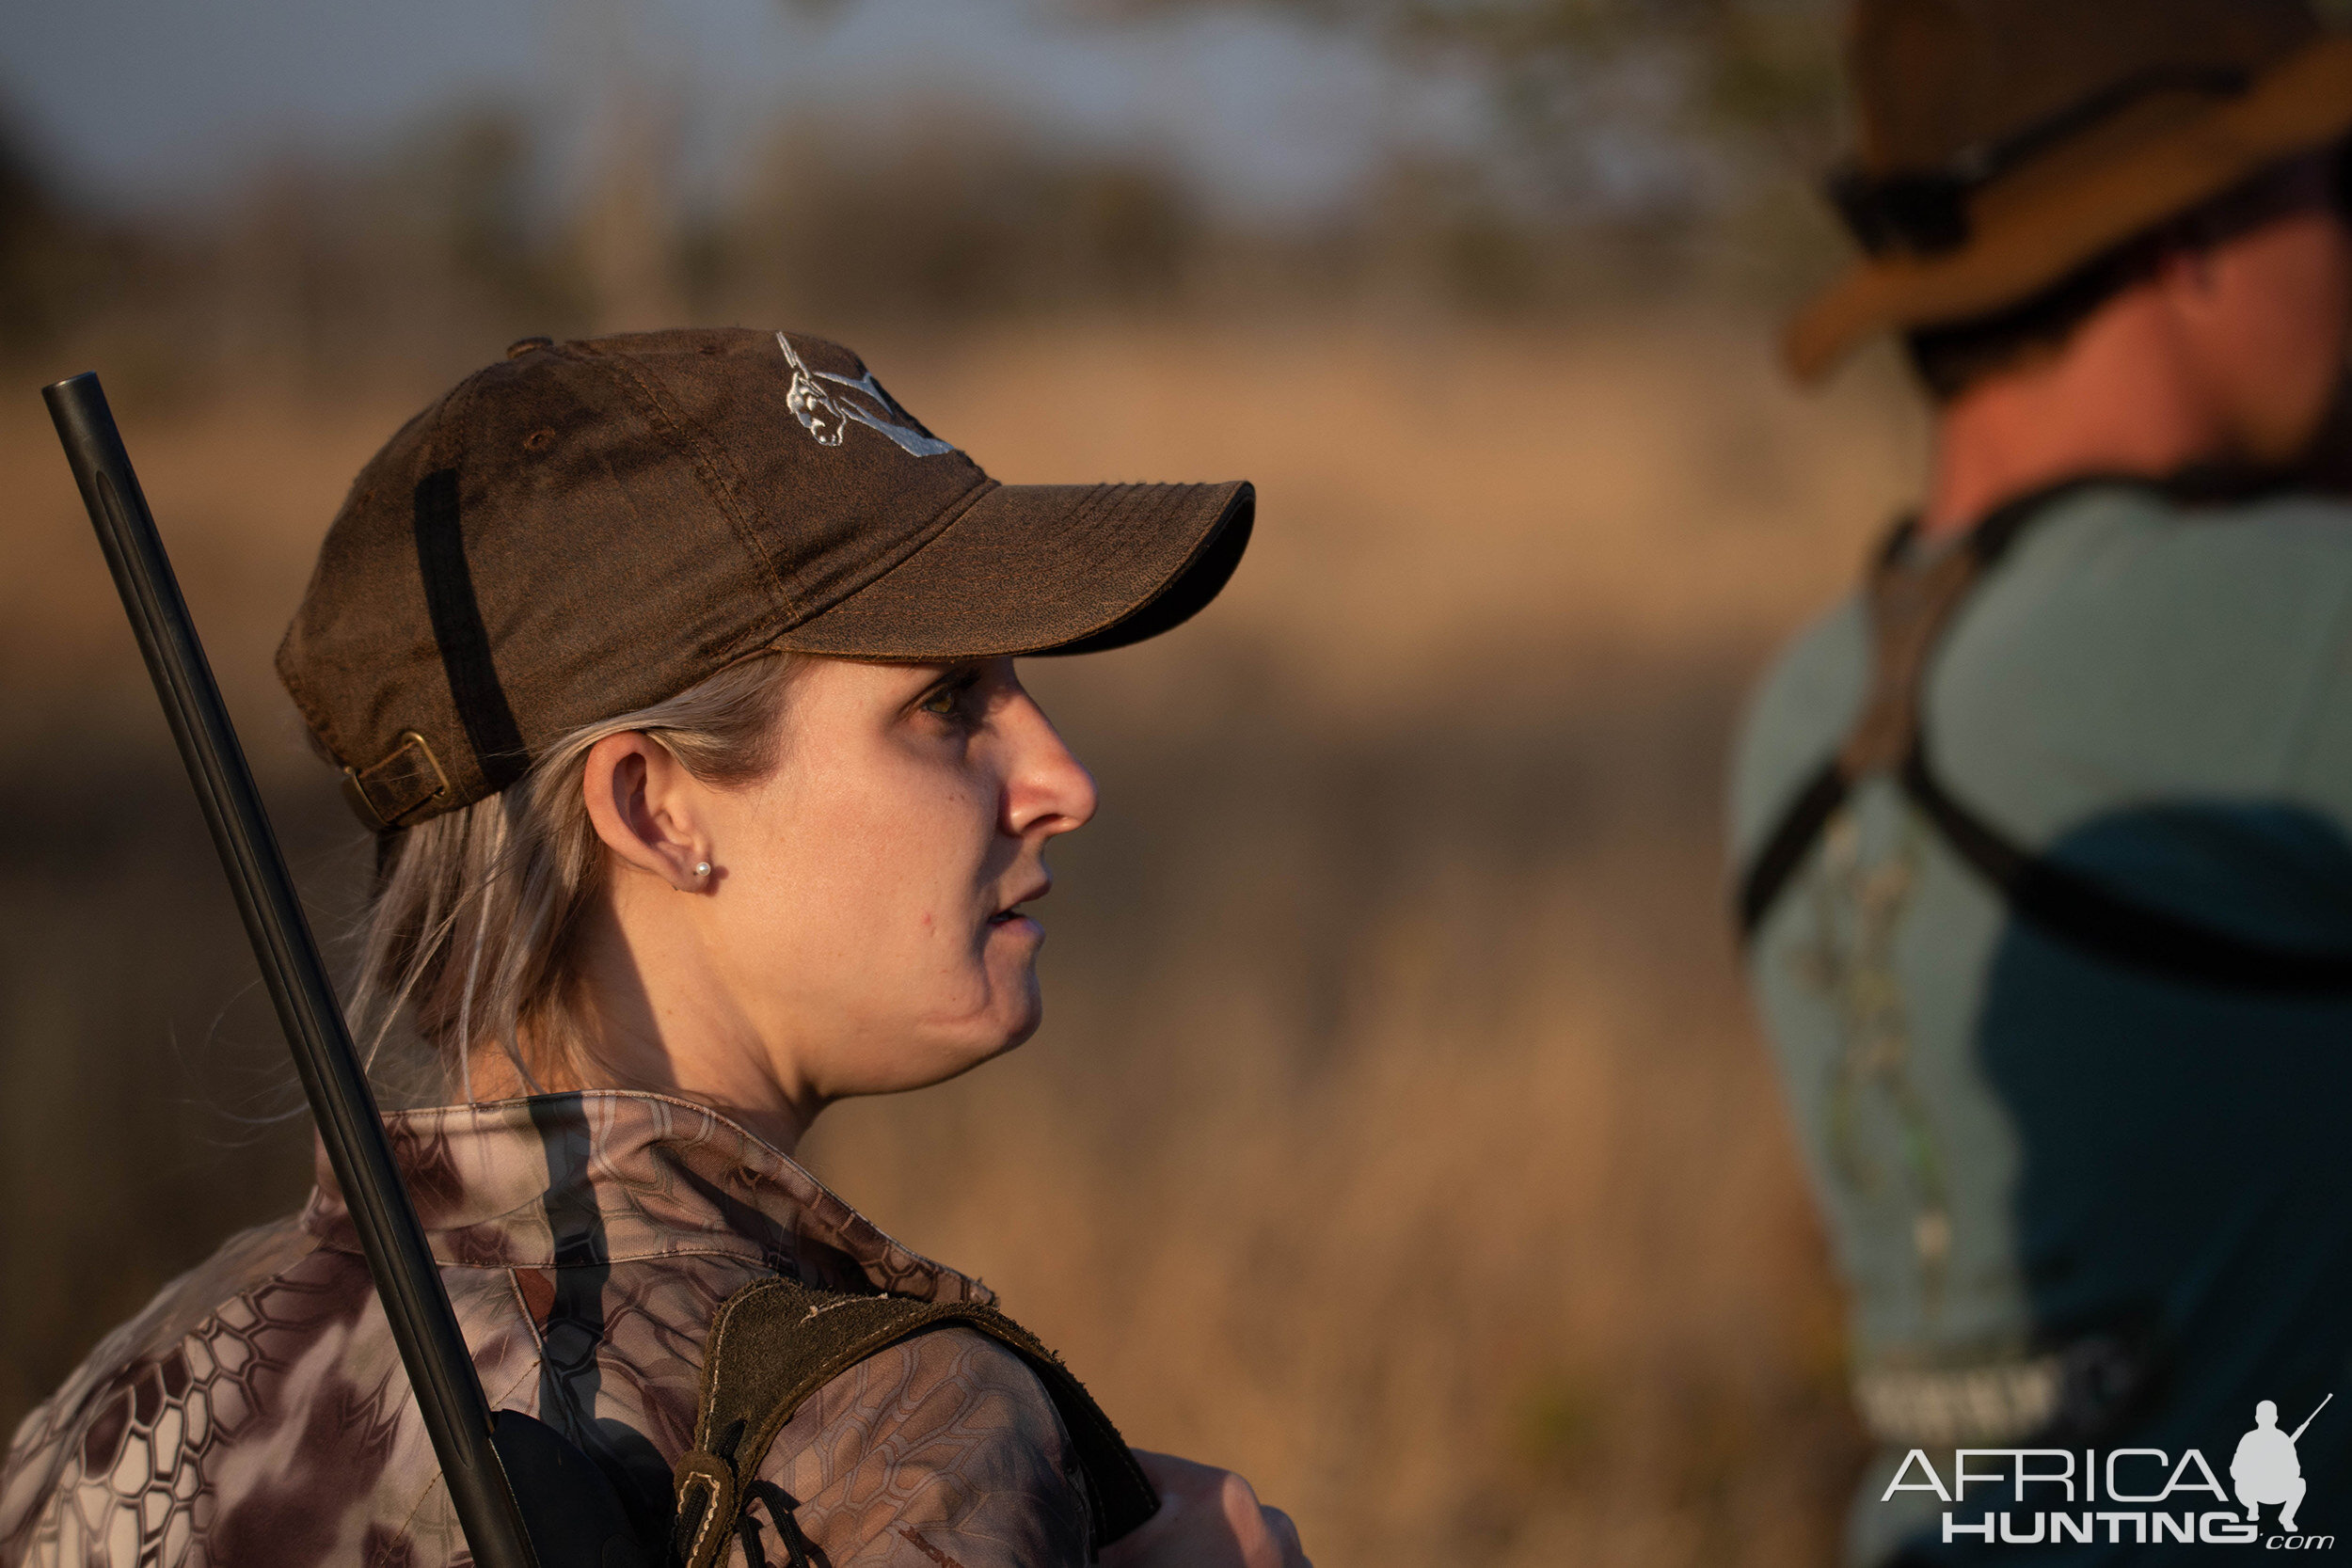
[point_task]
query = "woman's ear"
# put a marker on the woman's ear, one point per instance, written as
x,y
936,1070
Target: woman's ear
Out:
x,y
641,805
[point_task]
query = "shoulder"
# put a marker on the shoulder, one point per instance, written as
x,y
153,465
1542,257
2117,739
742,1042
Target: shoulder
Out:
x,y
2126,551
1804,702
141,1385
942,1447
2132,647
2123,601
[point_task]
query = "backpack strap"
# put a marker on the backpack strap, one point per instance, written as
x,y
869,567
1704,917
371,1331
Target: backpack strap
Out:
x,y
1911,605
776,1341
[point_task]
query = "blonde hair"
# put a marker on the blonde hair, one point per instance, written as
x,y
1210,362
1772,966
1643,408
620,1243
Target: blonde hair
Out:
x,y
470,935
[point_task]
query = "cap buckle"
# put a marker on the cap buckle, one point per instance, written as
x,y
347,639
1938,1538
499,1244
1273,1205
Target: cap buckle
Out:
x,y
388,790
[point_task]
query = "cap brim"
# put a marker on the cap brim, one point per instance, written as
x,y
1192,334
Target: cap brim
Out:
x,y
1045,569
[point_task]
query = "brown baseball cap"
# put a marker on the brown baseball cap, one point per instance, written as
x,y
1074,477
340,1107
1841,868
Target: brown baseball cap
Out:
x,y
2005,143
584,529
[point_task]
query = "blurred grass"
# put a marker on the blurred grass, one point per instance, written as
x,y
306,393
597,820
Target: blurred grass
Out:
x,y
1396,1135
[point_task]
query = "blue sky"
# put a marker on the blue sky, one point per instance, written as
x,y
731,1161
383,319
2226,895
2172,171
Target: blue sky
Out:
x,y
137,102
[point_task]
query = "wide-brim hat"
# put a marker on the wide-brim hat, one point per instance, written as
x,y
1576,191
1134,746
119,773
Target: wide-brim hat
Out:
x,y
586,529
2007,143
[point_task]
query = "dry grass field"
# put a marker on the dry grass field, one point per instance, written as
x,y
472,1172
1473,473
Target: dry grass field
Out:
x,y
1398,1134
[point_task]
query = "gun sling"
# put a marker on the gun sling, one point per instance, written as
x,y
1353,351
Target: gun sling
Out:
x,y
776,1342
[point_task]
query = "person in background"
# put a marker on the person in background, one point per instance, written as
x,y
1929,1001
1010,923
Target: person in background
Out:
x,y
2043,838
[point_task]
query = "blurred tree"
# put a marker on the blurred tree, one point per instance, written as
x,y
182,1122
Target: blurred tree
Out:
x,y
473,189
945,213
418,255
480,168
1641,109
53,261
627,233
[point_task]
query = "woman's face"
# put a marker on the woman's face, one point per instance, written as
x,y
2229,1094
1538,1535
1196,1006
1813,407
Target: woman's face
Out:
x,y
863,908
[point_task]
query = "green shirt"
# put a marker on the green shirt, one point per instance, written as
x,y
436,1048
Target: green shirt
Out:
x,y
2017,1146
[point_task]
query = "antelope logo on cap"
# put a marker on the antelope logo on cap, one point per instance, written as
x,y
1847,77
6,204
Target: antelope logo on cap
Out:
x,y
826,413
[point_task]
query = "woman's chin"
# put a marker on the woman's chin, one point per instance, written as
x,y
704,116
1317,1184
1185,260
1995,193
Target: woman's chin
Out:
x,y
1018,1036
951,1046
1021,1008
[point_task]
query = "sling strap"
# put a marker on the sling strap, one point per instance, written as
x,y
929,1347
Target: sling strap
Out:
x,y
776,1341
1910,603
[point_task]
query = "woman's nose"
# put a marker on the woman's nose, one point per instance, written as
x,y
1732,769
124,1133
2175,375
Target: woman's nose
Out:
x,y
1048,788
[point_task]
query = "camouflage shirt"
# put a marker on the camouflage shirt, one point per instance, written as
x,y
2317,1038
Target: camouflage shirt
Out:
x,y
257,1413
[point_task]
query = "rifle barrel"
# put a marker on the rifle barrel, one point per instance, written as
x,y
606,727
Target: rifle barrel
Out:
x,y
440,1368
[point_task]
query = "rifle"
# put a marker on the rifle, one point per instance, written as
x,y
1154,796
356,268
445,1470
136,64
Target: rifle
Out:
x,y
2296,1435
524,1495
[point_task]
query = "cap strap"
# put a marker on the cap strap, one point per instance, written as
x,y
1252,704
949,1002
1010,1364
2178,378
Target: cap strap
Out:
x,y
464,641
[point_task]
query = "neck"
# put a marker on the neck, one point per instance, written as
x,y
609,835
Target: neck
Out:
x,y
2120,398
654,1021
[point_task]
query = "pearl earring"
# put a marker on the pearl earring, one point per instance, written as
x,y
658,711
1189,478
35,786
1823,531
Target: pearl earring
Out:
x,y
702,869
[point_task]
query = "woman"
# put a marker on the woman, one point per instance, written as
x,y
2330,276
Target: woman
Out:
x,y
676,672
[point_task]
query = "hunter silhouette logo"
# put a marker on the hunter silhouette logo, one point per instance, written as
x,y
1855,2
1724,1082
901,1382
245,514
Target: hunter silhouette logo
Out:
x,y
826,412
2265,1469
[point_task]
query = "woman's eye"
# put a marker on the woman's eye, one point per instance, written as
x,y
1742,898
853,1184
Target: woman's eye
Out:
x,y
955,702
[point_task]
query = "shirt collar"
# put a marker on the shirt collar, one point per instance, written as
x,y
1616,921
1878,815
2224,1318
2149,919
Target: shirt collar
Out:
x,y
613,1176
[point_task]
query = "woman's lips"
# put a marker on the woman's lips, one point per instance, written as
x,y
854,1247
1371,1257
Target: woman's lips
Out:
x,y
1013,911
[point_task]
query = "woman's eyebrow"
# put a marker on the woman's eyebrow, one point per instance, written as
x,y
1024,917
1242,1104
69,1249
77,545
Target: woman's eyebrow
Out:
x,y
965,670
